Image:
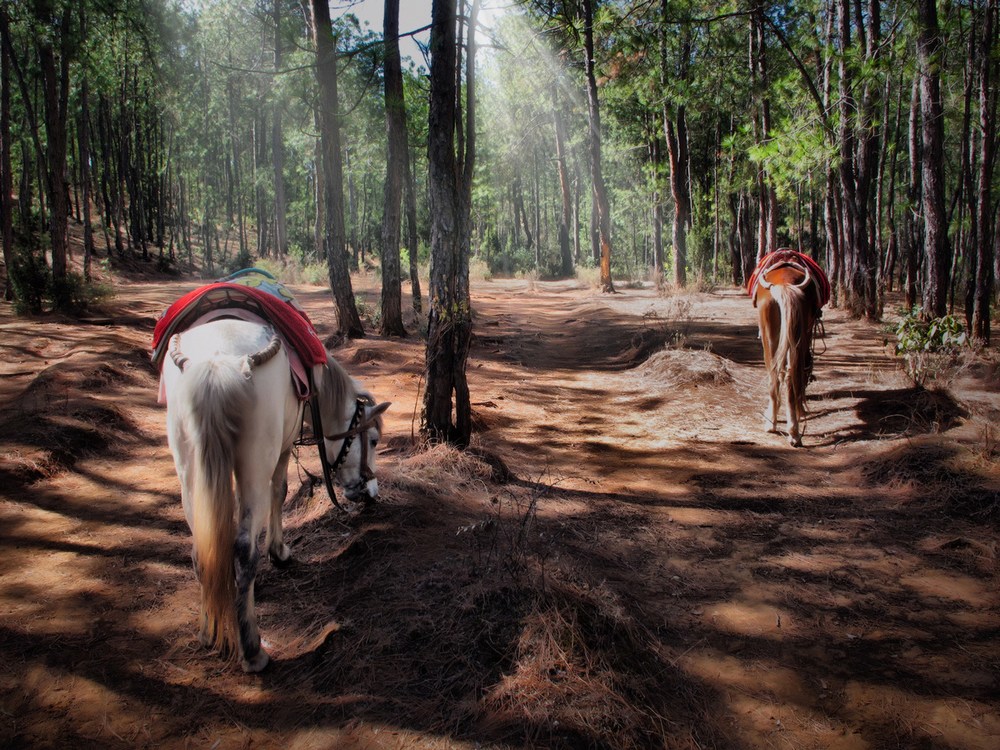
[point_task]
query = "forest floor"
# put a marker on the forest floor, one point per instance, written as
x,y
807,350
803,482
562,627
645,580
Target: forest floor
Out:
x,y
626,560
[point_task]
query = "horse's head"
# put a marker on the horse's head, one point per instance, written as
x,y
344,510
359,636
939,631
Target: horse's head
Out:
x,y
352,452
352,426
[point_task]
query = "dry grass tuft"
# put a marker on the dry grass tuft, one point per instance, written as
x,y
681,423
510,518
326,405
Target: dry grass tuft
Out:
x,y
944,477
444,465
573,681
680,367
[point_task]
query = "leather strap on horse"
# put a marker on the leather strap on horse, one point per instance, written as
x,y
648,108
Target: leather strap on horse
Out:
x,y
358,425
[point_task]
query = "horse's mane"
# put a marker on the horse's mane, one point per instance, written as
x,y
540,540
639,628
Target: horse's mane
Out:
x,y
337,388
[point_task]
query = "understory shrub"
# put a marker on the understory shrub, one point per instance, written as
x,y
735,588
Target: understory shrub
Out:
x,y
929,346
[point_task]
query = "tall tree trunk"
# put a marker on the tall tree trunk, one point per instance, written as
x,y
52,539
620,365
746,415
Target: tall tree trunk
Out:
x,y
84,143
449,328
936,245
858,160
85,174
237,168
767,201
679,189
6,178
521,213
675,131
278,149
320,227
55,87
396,160
656,162
348,321
412,242
601,204
914,193
984,219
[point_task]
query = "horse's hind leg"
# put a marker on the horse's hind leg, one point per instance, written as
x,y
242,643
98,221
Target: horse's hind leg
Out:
x,y
253,657
254,493
770,327
277,550
792,412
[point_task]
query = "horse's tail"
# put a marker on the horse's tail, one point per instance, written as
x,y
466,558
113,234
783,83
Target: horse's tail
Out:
x,y
218,393
792,302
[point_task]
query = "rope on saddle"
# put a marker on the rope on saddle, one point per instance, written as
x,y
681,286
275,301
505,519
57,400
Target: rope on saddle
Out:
x,y
250,361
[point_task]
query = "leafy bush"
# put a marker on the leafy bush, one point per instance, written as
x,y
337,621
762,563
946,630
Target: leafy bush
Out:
x,y
928,346
30,279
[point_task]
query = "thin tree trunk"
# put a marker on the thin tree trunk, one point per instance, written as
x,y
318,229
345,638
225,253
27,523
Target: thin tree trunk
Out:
x,y
984,219
278,149
675,131
656,161
348,321
601,203
56,94
936,245
914,198
320,230
85,174
767,202
6,178
449,317
412,242
396,159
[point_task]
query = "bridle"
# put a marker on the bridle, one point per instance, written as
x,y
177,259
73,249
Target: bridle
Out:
x,y
359,424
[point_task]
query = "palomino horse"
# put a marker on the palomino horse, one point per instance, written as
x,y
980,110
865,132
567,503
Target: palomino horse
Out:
x,y
233,413
788,290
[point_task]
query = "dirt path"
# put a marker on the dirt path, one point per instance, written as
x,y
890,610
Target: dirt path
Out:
x,y
654,571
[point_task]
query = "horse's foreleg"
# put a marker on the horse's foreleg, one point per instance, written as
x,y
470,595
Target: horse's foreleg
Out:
x,y
795,394
254,658
277,550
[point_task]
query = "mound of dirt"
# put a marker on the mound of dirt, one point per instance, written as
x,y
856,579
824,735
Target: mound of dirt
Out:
x,y
685,367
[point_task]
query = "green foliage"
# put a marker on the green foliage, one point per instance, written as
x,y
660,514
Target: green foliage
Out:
x,y
240,260
915,334
30,279
370,313
34,286
510,261
73,294
928,346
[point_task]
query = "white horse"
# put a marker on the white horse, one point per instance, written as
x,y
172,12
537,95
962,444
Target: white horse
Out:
x,y
233,413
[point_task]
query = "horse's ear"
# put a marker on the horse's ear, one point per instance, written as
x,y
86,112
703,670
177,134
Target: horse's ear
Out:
x,y
381,408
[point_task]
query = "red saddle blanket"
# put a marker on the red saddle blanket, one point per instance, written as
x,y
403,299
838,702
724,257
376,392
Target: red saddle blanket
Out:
x,y
780,257
255,291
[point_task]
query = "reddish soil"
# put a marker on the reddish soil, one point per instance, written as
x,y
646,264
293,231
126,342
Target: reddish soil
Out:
x,y
625,560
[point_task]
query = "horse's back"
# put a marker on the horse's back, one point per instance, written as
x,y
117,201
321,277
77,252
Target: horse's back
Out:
x,y
272,406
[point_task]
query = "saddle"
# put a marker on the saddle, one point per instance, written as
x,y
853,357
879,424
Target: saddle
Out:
x,y
788,257
250,294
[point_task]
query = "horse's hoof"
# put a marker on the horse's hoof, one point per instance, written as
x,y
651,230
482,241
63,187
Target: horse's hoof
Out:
x,y
795,441
278,562
256,663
